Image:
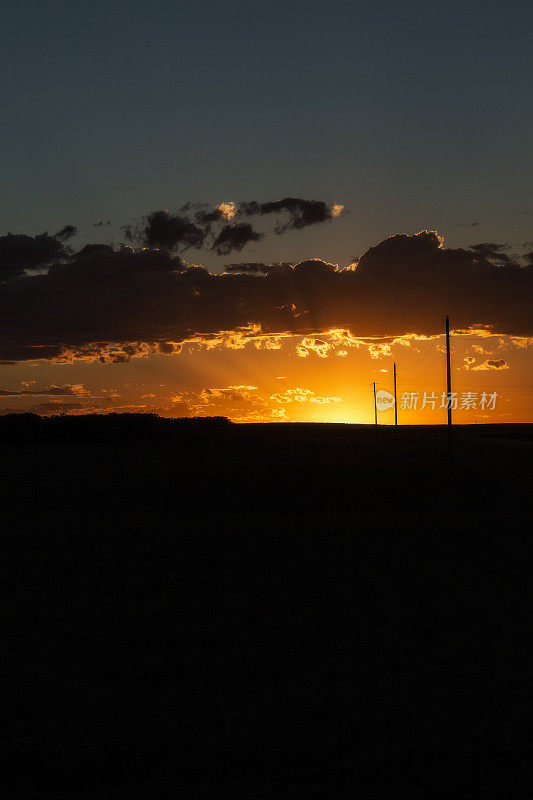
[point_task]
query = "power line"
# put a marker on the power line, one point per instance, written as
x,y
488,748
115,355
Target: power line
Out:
x,y
414,366
415,380
449,381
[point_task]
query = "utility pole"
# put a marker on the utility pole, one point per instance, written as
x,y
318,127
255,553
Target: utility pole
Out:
x,y
448,371
375,406
395,401
449,384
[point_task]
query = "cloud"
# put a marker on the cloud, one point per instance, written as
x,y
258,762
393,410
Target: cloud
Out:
x,y
490,250
488,364
68,390
114,305
170,232
336,210
226,210
68,398
299,395
478,348
302,213
254,267
242,403
235,237
245,403
67,232
46,409
311,345
19,252
178,232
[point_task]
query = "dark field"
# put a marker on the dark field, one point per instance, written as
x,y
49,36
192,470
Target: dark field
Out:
x,y
275,611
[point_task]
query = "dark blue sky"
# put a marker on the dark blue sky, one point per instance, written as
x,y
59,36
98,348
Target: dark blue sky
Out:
x,y
412,114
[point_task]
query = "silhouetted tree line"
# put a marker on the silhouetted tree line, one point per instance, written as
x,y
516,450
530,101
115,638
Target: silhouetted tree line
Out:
x,y
104,428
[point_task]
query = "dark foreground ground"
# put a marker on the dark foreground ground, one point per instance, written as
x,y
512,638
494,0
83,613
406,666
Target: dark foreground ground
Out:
x,y
278,611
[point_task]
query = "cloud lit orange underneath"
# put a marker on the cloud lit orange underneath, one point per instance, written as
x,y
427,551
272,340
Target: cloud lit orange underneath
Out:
x,y
139,329
290,378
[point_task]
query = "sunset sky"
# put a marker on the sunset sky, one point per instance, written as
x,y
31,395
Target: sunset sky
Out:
x,y
288,198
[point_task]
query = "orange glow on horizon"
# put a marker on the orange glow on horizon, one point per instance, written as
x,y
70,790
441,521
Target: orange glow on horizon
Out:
x,y
251,376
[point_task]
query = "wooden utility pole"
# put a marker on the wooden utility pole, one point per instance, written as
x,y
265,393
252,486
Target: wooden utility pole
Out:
x,y
449,386
395,400
448,371
375,406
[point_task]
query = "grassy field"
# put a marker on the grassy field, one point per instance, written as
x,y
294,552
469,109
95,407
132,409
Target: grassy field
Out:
x,y
270,611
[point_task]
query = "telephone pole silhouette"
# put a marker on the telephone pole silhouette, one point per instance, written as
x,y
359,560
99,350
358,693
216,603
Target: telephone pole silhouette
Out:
x,y
395,400
375,406
448,371
449,383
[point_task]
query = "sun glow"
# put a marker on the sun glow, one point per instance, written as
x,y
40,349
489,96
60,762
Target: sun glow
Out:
x,y
337,414
249,375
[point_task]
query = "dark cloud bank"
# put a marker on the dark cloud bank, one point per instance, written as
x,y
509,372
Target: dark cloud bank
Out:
x,y
19,252
99,296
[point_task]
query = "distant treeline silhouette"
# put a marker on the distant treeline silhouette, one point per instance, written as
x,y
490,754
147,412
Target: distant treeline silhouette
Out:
x,y
103,428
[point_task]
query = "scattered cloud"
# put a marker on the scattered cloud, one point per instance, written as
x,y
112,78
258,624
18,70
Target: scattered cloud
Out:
x,y
241,403
171,232
302,213
478,348
311,345
235,237
299,395
489,364
219,228
246,403
68,390
500,363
